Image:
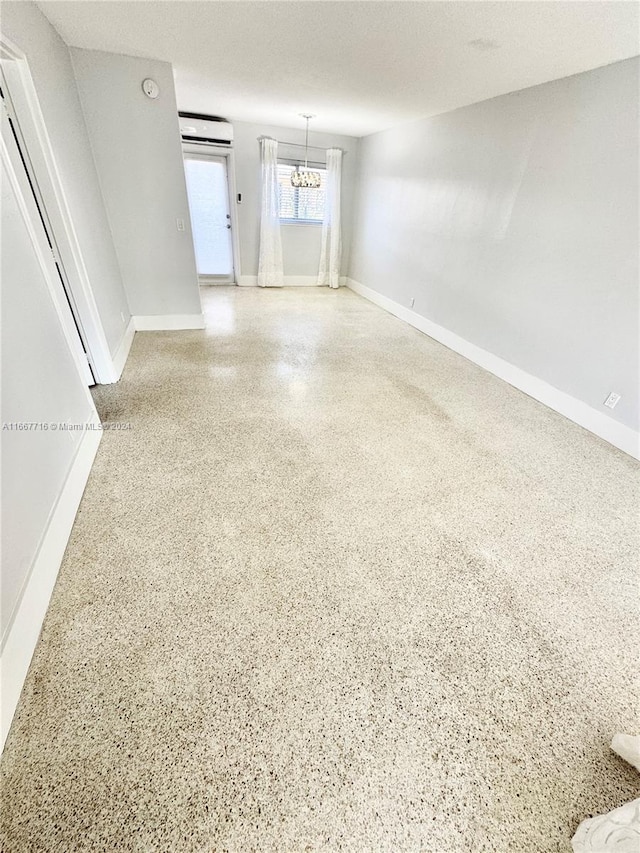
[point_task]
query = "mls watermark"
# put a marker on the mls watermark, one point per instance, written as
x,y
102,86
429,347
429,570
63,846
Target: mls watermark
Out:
x,y
53,426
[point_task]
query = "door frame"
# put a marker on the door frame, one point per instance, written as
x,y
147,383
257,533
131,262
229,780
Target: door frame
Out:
x,y
30,120
22,177
204,150
20,185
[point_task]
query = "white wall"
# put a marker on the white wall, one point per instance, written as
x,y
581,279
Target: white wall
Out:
x,y
300,243
50,66
40,383
136,145
514,224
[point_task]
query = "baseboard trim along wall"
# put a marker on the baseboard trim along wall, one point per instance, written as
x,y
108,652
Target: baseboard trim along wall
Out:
x,y
621,436
167,322
120,358
289,281
24,631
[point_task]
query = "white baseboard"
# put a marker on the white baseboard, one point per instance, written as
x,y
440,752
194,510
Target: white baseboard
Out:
x,y
24,631
120,358
289,281
167,322
621,436
301,281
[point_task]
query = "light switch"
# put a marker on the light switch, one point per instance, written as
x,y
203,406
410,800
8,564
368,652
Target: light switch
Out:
x,y
180,224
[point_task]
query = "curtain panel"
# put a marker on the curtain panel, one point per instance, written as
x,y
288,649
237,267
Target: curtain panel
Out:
x,y
270,266
331,245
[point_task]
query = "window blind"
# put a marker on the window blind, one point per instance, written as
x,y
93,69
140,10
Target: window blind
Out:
x,y
300,203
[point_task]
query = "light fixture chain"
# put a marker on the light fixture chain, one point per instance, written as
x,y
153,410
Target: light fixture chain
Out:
x,y
306,146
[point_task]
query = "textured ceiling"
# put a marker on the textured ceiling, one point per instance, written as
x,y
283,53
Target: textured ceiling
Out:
x,y
358,66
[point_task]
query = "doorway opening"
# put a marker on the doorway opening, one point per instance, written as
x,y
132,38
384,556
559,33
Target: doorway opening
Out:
x,y
207,178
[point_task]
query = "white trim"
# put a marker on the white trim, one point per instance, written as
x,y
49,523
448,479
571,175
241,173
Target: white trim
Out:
x,y
167,322
24,199
24,632
289,281
40,149
216,281
621,436
301,223
122,353
233,210
301,281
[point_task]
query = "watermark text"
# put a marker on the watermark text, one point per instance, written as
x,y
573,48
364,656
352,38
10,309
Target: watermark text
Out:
x,y
57,426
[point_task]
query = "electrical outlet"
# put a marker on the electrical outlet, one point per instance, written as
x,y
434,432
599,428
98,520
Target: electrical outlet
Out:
x,y
413,302
180,224
612,400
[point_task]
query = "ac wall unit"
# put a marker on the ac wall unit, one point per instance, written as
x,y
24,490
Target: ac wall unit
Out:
x,y
205,130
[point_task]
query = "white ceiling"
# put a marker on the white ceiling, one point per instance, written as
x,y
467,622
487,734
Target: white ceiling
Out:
x,y
358,66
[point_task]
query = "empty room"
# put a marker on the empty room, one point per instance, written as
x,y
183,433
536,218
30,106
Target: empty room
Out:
x,y
320,426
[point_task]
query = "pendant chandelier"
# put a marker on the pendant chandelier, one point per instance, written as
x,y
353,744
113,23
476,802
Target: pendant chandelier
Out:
x,y
305,178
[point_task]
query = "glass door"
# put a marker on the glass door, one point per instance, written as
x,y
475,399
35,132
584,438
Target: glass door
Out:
x,y
208,192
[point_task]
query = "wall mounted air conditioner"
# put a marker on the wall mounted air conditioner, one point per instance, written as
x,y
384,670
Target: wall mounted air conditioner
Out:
x,y
205,130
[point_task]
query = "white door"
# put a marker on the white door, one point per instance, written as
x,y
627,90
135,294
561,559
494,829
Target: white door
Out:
x,y
17,151
24,194
208,191
42,234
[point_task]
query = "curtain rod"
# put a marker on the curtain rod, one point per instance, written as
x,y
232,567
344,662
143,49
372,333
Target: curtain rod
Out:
x,y
301,145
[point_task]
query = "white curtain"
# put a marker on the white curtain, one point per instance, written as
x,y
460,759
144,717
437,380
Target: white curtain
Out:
x,y
270,268
331,247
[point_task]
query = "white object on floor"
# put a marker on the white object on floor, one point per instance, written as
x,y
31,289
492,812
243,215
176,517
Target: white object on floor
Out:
x,y
627,747
618,830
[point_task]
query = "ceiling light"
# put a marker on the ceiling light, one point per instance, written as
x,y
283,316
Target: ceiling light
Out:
x,y
305,178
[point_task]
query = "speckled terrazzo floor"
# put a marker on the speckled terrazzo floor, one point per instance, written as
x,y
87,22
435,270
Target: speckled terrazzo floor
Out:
x,y
336,589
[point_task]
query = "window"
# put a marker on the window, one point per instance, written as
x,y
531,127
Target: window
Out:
x,y
300,204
